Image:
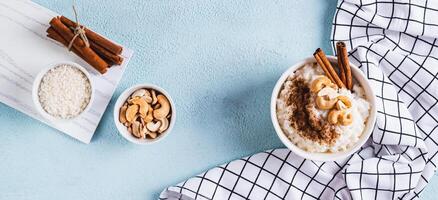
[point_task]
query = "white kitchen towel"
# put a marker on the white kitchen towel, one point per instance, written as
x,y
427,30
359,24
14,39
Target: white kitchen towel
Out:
x,y
395,45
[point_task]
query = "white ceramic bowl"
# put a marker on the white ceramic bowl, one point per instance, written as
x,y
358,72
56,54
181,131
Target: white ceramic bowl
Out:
x,y
123,130
37,83
363,81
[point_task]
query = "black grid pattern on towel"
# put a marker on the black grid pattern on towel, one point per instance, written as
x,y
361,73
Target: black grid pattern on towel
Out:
x,y
395,44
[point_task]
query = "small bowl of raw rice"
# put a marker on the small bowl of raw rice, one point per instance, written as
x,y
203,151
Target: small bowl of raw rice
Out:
x,y
62,92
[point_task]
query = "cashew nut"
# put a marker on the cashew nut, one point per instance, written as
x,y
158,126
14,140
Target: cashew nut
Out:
x,y
143,132
345,100
328,91
153,127
320,83
122,113
340,117
139,93
148,99
152,135
164,109
346,118
164,125
143,106
324,102
131,112
333,116
136,127
154,97
150,116
148,94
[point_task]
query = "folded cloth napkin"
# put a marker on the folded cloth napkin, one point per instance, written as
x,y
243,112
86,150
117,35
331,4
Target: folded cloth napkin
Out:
x,y
395,45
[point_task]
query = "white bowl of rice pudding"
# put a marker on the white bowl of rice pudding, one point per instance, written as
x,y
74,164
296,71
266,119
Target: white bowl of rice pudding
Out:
x,y
62,92
307,126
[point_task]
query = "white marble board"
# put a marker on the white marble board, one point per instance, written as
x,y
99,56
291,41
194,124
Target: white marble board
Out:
x,y
25,50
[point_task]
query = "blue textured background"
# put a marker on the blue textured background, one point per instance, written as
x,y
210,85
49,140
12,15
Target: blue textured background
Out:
x,y
218,59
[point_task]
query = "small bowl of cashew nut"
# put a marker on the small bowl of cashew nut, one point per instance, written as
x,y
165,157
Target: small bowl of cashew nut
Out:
x,y
144,114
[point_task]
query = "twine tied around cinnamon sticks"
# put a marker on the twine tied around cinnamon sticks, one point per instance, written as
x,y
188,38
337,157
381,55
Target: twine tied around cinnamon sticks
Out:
x,y
78,31
93,48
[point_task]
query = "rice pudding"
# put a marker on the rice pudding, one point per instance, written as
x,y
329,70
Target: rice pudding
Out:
x,y
317,115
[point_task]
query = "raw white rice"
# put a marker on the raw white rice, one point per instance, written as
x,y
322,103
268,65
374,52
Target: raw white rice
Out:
x,y
64,92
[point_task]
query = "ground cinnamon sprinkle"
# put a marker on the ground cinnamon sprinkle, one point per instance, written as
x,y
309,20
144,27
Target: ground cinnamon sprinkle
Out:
x,y
304,119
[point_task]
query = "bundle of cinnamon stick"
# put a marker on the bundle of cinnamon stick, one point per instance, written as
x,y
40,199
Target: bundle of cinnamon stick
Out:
x,y
101,53
344,80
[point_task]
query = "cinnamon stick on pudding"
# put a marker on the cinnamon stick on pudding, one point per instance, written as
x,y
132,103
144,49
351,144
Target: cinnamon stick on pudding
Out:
x,y
322,61
344,64
322,65
96,38
88,54
341,67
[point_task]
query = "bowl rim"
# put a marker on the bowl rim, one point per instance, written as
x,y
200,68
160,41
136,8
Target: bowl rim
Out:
x,y
123,131
369,127
36,85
